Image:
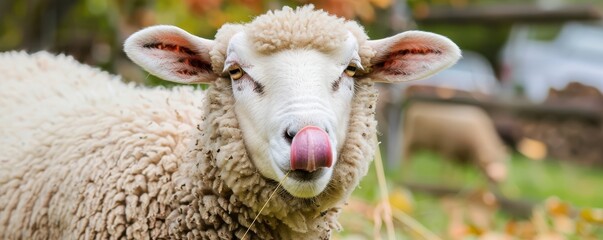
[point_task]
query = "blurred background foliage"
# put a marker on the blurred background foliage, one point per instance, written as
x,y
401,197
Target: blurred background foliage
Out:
x,y
544,195
93,30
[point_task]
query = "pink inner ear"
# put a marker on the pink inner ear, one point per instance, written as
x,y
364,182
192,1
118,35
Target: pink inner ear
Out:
x,y
408,59
170,47
195,63
419,51
189,62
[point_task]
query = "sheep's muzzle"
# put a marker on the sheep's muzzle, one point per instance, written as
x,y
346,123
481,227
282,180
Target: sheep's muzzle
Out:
x,y
311,149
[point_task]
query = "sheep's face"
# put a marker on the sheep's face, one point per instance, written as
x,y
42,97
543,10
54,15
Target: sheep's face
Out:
x,y
278,94
293,97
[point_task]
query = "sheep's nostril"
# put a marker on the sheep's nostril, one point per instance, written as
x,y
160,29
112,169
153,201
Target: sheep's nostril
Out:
x,y
288,135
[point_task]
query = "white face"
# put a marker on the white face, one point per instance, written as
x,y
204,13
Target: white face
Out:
x,y
279,94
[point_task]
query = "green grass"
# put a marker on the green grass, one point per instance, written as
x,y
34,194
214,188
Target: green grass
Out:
x,y
579,185
530,180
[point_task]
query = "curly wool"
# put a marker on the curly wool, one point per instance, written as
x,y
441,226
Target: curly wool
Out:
x,y
108,159
88,156
289,28
85,155
301,28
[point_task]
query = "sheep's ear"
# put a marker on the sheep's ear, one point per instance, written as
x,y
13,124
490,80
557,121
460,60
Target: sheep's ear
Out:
x,y
172,54
411,55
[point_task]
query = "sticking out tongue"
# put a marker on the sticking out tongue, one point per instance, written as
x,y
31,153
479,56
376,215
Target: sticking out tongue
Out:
x,y
311,149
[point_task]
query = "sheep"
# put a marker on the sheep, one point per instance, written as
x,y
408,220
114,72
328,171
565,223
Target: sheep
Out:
x,y
458,132
290,101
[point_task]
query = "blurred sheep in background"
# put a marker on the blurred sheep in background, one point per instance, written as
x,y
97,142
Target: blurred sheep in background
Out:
x,y
458,132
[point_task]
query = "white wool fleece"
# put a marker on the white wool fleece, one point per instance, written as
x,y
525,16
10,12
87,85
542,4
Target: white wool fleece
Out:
x,y
85,155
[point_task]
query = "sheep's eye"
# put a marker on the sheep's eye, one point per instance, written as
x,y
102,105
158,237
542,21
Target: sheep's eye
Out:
x,y
350,70
235,72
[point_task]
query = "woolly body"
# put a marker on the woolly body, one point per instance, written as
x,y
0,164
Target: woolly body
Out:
x,y
84,155
89,156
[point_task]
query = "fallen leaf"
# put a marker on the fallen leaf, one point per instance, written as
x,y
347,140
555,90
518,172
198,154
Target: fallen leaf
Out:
x,y
531,148
401,199
556,207
592,215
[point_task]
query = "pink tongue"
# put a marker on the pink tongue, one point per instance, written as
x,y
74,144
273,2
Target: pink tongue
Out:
x,y
311,149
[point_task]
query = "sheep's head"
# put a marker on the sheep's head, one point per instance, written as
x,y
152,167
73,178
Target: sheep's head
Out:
x,y
293,78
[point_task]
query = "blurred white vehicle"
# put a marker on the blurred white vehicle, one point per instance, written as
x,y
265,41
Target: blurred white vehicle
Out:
x,y
536,66
472,73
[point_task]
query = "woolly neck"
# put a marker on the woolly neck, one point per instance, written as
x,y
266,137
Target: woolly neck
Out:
x,y
221,161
